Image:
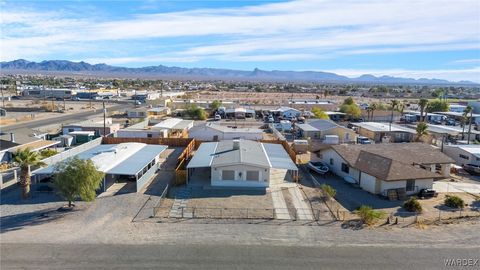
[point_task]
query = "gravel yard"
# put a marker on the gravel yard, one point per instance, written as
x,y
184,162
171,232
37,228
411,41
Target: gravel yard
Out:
x,y
231,203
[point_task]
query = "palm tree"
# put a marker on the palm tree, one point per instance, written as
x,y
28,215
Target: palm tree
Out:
x,y
394,103
373,107
469,125
468,110
423,103
369,111
26,158
401,107
421,130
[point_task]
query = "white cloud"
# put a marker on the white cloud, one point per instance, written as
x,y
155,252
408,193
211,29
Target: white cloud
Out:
x,y
471,74
295,30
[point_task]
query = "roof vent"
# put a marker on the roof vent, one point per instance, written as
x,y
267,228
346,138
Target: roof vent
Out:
x,y
236,144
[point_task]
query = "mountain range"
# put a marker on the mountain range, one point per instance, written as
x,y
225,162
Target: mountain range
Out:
x,y
64,67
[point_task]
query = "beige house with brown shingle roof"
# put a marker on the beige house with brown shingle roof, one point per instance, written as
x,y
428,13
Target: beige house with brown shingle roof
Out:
x,y
378,168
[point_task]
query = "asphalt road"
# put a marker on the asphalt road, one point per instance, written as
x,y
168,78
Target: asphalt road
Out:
x,y
71,256
61,119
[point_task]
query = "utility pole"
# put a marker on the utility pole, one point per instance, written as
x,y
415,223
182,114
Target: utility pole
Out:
x,y
3,98
53,100
90,96
104,120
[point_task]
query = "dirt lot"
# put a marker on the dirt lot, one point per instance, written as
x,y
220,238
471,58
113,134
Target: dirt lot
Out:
x,y
270,98
28,110
231,203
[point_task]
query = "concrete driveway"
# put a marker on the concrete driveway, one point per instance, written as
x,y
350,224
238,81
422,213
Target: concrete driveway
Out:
x,y
456,187
352,197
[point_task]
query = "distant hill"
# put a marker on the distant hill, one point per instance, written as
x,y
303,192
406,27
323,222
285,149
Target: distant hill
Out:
x,y
160,71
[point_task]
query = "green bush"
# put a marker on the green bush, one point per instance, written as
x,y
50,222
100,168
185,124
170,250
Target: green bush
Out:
x,y
413,205
454,202
368,215
329,190
45,153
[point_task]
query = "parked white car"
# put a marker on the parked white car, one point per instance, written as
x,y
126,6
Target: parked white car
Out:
x,y
318,167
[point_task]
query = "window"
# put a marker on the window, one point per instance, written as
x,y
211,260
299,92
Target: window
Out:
x,y
463,156
331,161
149,135
410,185
71,130
253,175
347,136
345,168
228,175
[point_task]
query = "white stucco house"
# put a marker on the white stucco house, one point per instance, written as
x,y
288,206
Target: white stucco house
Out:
x,y
241,163
215,132
287,112
378,168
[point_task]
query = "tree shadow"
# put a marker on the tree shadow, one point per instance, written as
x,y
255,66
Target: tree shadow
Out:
x,y
19,221
13,196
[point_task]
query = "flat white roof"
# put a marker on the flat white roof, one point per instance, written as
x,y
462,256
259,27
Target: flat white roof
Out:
x,y
120,159
470,148
274,154
169,123
379,127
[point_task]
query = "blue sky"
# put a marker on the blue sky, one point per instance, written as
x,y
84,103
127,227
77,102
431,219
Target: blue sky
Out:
x,y
422,38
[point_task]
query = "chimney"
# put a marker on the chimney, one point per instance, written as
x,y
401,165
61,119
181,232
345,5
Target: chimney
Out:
x,y
236,144
12,137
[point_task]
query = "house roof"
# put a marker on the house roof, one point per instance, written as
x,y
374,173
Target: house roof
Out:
x,y
7,144
226,129
249,152
36,145
322,124
123,159
174,123
389,169
22,136
383,127
473,149
284,109
393,161
306,127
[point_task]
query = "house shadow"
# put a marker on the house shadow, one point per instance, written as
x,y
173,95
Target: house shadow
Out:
x,y
19,221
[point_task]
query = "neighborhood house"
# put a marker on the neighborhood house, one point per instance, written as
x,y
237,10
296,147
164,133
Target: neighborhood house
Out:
x,y
381,168
215,132
136,162
319,129
241,163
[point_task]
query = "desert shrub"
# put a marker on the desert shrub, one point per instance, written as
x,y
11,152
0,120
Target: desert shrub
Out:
x,y
329,190
45,153
413,205
368,215
454,201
